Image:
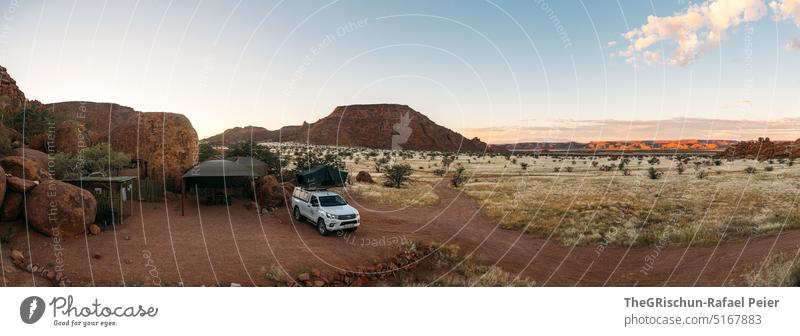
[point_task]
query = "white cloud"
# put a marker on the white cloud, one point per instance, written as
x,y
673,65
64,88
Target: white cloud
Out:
x,y
692,31
611,43
786,9
793,45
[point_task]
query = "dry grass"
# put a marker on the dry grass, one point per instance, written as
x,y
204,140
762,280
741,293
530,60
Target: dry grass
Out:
x,y
778,270
593,207
575,201
417,193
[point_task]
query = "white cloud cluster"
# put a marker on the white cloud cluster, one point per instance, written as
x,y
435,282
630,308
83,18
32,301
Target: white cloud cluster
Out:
x,y
700,28
695,30
786,9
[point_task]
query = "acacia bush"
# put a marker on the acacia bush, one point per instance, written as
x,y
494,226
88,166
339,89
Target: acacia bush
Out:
x,y
98,158
397,174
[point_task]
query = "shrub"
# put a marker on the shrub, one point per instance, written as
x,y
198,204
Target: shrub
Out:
x,y
397,174
654,161
569,169
680,168
32,121
750,170
459,177
702,174
654,174
206,151
98,158
439,172
263,153
524,165
769,168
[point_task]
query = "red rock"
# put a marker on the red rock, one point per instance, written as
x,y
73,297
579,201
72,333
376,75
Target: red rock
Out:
x,y
74,207
12,206
315,272
95,230
372,126
24,167
303,277
364,177
17,256
319,283
19,185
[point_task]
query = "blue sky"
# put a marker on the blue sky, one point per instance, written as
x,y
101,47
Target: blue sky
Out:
x,y
517,68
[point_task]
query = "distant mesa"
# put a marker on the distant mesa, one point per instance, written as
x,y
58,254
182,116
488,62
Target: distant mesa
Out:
x,y
630,145
379,126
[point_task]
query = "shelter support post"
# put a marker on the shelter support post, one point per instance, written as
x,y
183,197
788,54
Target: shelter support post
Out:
x,y
183,196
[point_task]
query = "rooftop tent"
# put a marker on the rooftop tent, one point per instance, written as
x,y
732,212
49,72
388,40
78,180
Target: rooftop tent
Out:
x,y
258,167
321,177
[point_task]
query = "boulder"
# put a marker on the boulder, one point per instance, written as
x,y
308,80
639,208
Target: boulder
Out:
x,y
24,167
166,141
41,158
95,230
272,194
19,185
72,207
12,206
364,177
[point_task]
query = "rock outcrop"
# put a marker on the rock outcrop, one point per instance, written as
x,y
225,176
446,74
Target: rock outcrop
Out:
x,y
72,208
11,97
763,149
167,141
381,126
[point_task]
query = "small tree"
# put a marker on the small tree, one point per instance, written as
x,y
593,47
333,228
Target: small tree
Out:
x,y
249,148
397,174
206,151
653,173
459,177
98,158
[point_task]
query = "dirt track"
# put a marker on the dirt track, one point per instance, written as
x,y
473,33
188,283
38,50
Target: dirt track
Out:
x,y
218,246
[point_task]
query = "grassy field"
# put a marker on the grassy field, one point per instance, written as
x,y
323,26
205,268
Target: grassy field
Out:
x,y
583,200
702,205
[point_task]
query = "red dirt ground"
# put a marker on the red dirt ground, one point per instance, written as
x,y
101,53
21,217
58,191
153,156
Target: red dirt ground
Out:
x,y
215,245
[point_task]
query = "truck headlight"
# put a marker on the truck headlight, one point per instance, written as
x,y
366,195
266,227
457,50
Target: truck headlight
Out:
x,y
329,215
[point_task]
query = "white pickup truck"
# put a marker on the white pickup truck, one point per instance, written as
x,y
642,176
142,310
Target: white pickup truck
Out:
x,y
327,210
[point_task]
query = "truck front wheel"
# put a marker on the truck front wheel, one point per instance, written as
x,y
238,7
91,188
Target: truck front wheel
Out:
x,y
323,231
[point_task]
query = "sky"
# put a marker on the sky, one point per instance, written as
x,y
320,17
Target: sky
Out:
x,y
505,71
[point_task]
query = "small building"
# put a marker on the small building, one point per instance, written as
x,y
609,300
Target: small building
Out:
x,y
114,195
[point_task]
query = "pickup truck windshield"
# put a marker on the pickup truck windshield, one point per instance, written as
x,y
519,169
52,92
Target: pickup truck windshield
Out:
x,y
329,201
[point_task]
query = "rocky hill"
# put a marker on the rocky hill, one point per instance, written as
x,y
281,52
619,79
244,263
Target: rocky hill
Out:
x,y
381,126
167,141
763,149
